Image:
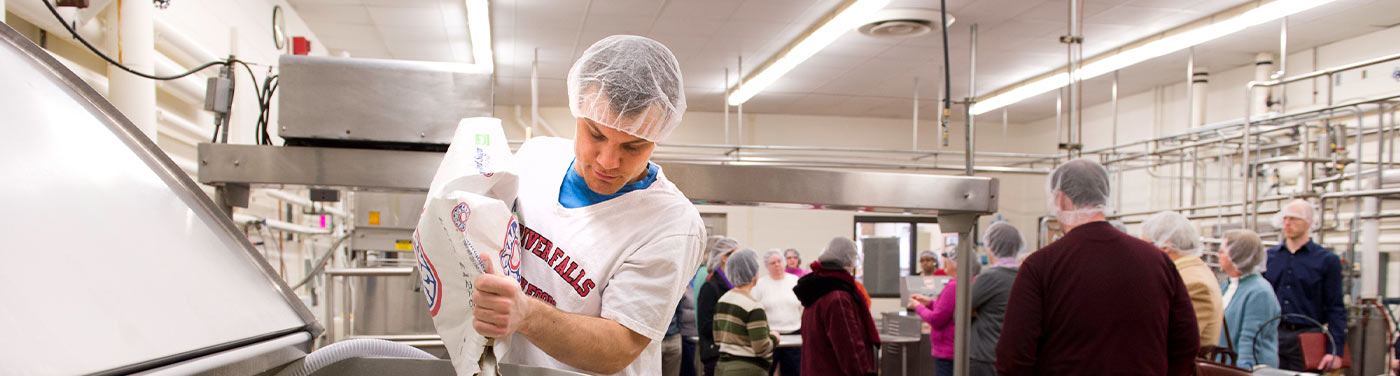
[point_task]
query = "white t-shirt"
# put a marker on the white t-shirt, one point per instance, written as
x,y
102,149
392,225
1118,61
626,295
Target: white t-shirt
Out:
x,y
781,304
627,259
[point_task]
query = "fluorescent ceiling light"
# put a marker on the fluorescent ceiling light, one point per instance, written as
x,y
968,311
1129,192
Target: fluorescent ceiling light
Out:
x,y
845,20
1165,45
479,25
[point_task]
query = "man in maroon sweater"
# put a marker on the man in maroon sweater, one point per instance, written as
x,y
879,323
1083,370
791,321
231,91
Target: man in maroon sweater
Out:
x,y
1097,301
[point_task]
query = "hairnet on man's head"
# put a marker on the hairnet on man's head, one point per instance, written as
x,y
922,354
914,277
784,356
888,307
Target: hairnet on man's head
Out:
x,y
715,247
1003,240
742,267
1171,230
1246,251
628,83
840,252
1301,209
1086,184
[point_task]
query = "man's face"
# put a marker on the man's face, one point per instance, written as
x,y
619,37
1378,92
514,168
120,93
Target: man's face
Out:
x,y
793,261
775,264
1294,228
607,158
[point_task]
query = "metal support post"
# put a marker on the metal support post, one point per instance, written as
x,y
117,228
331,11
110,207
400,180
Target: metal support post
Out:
x,y
964,225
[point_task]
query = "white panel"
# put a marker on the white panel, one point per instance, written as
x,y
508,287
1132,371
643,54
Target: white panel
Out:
x,y
393,16
333,13
109,263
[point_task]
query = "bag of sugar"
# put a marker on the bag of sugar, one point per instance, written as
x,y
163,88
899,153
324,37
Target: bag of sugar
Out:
x,y
467,216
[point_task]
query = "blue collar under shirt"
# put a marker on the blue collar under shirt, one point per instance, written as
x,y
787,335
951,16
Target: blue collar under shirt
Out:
x,y
574,192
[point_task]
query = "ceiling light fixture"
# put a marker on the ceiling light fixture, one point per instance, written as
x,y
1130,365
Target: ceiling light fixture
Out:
x,y
846,19
479,25
1162,46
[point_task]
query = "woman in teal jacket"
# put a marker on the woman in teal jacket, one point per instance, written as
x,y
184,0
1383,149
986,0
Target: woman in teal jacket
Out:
x,y
1249,301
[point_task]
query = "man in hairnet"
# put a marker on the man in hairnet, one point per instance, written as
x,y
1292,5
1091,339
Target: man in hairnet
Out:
x,y
741,330
1097,301
610,241
1177,237
1308,281
838,333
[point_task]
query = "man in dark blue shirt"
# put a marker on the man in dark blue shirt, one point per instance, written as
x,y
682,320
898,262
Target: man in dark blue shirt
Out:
x,y
1308,281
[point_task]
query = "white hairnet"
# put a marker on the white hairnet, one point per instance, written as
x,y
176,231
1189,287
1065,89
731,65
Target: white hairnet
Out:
x,y
715,247
742,267
1246,251
628,83
1300,209
1003,239
1171,230
1086,184
840,252
771,253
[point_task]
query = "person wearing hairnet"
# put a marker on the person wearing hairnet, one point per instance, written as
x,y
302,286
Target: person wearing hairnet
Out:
x,y
990,292
1250,303
794,262
774,292
838,333
1177,237
928,264
1097,301
741,325
715,286
613,240
1308,281
938,313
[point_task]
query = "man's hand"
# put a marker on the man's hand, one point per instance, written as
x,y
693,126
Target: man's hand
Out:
x,y
1330,362
501,308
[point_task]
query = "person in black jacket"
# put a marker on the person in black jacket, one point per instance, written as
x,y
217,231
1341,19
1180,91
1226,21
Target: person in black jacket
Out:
x,y
719,248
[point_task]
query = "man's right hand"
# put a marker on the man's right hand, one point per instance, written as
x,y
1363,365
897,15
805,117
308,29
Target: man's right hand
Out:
x,y
500,307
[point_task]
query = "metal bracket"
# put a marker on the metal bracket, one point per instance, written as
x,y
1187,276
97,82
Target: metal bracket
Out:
x,y
1071,39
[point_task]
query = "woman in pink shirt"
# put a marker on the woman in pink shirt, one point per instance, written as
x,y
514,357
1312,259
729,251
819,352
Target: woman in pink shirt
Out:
x,y
939,316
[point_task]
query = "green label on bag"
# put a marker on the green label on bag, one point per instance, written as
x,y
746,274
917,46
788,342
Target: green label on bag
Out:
x,y
483,140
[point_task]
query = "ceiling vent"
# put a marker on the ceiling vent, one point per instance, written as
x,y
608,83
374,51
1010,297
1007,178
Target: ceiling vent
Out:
x,y
902,23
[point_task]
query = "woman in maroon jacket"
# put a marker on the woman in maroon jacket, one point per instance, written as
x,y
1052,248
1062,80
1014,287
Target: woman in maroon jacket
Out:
x,y
838,334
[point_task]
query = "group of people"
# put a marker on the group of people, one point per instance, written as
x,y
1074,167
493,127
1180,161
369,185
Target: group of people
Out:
x,y
743,308
1101,301
610,245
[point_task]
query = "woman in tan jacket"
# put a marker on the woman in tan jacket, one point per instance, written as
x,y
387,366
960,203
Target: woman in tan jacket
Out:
x,y
1177,236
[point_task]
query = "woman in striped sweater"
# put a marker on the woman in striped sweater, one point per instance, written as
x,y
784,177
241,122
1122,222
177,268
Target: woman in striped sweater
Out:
x,y
741,326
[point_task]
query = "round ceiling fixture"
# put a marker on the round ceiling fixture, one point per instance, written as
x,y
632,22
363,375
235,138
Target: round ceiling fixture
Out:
x,y
902,22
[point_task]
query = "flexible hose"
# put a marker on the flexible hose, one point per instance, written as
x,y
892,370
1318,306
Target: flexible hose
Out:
x,y
354,348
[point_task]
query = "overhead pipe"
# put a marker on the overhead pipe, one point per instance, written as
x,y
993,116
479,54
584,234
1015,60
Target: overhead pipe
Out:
x,y
189,89
37,14
135,96
1263,68
968,119
274,224
177,46
180,123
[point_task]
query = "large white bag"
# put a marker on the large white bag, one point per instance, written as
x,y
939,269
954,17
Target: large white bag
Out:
x,y
467,216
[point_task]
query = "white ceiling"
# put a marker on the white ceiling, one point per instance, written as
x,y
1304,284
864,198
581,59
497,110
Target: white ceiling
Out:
x,y
855,76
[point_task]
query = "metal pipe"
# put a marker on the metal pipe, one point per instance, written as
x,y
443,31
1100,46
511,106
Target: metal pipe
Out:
x,y
915,146
968,119
302,202
725,103
1240,122
279,225
1282,48
737,154
179,47
534,94
847,149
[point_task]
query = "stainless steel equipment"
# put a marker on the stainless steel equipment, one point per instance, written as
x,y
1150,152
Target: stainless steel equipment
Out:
x,y
126,265
377,103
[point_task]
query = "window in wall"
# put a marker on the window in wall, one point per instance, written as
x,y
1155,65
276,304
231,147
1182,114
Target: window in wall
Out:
x,y
914,235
